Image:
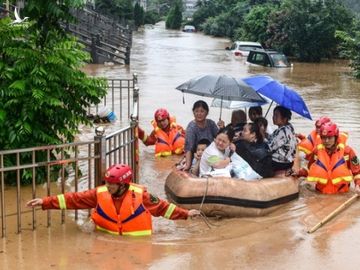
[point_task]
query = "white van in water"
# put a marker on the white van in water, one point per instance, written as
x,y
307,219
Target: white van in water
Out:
x,y
242,48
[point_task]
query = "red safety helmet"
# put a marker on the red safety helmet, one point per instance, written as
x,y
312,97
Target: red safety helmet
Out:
x,y
329,129
118,173
161,114
322,120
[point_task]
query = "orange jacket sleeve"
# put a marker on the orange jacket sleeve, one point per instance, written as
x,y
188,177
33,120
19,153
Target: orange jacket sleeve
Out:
x,y
181,130
300,136
353,164
87,199
158,207
147,140
74,200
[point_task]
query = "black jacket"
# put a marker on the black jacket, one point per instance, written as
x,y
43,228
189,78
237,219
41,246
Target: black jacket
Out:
x,y
257,155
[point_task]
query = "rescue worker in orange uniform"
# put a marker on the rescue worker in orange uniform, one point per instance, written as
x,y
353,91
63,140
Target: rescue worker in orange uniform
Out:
x,y
333,164
309,143
119,207
167,135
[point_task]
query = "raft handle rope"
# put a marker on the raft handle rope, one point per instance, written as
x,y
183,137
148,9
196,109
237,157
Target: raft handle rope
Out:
x,y
202,214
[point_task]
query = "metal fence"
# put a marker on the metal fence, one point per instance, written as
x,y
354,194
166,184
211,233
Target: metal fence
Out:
x,y
119,98
74,166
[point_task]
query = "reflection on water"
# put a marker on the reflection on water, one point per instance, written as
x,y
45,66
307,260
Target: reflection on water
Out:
x,y
163,60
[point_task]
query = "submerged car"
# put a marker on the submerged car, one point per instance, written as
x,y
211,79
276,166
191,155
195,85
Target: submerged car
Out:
x,y
242,48
189,28
268,58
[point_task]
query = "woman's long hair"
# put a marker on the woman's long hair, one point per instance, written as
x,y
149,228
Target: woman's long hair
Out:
x,y
254,128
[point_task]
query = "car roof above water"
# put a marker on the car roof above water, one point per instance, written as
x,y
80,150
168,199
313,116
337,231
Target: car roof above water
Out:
x,y
248,43
189,27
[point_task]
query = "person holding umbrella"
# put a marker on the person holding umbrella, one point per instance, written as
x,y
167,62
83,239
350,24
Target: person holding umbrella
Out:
x,y
282,142
120,207
197,129
222,87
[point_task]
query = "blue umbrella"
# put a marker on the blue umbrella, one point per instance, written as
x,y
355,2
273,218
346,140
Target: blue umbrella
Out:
x,y
279,93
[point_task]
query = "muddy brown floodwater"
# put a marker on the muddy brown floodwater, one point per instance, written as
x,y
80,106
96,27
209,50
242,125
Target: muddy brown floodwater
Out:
x,y
164,59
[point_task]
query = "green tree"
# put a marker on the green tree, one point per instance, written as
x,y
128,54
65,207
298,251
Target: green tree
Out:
x,y
214,16
205,9
225,23
174,18
307,27
353,5
350,46
261,2
255,24
151,17
43,92
117,9
139,15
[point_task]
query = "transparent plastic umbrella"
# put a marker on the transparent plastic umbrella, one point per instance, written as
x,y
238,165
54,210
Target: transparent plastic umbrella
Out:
x,y
234,104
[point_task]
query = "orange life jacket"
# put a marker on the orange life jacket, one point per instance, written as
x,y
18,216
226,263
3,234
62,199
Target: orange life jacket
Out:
x,y
133,219
310,143
167,144
307,145
330,172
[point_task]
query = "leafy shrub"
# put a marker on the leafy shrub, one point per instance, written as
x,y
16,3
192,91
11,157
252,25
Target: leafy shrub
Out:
x,y
43,92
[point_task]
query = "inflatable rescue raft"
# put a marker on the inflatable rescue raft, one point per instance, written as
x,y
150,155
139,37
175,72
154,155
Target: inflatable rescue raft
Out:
x,y
227,197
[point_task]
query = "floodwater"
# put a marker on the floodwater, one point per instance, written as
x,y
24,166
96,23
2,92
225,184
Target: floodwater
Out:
x,y
164,59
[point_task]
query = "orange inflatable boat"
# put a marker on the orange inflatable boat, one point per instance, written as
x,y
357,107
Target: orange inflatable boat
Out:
x,y
227,197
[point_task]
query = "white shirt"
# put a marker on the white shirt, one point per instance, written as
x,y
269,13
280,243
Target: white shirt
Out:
x,y
212,155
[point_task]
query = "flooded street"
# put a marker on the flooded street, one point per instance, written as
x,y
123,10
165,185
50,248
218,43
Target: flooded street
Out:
x,y
163,60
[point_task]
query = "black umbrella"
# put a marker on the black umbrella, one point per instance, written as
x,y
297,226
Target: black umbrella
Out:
x,y
221,86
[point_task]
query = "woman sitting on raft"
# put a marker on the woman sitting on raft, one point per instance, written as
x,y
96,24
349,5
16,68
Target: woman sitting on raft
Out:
x,y
282,142
252,148
215,160
197,129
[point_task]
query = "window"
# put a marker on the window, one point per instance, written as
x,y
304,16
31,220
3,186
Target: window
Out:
x,y
279,60
248,48
268,59
259,58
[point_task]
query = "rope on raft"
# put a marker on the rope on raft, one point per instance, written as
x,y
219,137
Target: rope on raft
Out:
x,y
202,214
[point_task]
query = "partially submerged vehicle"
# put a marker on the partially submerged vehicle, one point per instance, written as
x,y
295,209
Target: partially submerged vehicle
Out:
x,y
268,58
229,197
189,29
242,48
